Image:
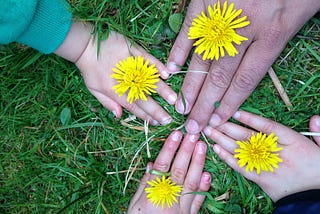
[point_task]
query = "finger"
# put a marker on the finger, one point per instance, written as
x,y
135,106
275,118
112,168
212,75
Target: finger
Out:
x,y
162,88
152,108
182,46
181,163
204,187
233,162
108,103
192,84
235,131
138,51
166,92
266,126
142,185
254,65
314,126
223,140
192,181
167,152
215,85
139,112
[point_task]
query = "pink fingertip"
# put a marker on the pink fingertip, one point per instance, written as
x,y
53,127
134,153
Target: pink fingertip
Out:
x,y
206,178
236,115
172,67
164,74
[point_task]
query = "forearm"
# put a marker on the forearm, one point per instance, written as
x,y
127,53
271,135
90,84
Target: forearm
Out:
x,y
40,24
76,41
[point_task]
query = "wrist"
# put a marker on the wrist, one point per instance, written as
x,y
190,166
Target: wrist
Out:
x,y
76,41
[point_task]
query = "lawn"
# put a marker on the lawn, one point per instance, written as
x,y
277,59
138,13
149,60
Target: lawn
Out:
x,y
62,152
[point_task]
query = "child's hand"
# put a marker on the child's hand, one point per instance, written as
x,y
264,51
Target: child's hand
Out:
x,y
96,63
97,68
186,170
299,170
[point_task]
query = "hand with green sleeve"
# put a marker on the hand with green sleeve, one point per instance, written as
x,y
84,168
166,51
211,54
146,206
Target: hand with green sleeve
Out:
x,y
46,25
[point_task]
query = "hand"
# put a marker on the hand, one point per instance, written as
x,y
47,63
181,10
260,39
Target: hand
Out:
x,y
299,170
188,174
96,68
232,79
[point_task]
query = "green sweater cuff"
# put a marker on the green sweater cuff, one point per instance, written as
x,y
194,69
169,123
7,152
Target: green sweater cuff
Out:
x,y
49,26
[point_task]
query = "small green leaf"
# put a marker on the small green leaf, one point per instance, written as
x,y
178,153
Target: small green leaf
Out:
x,y
175,22
65,116
216,104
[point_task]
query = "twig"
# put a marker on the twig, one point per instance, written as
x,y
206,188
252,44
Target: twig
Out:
x,y
279,88
315,134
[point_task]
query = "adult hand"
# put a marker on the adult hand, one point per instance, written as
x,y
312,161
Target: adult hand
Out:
x,y
230,80
186,170
96,63
299,170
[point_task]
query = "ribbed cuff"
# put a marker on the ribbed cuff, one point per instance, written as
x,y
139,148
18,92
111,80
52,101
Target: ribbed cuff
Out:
x,y
49,27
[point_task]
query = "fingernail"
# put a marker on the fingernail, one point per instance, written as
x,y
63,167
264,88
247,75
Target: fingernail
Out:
x,y
206,178
148,168
215,120
166,121
216,149
172,67
201,148
175,136
236,115
114,113
180,107
155,123
172,98
193,137
207,130
164,74
192,127
318,121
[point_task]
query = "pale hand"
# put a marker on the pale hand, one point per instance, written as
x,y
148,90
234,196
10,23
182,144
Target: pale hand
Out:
x,y
230,80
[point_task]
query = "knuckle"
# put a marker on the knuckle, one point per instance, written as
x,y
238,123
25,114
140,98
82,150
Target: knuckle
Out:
x,y
180,50
161,165
192,186
131,108
197,59
272,37
197,204
246,81
268,127
178,174
219,78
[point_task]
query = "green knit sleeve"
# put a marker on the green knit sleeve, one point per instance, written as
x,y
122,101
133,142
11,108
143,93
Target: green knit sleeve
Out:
x,y
40,24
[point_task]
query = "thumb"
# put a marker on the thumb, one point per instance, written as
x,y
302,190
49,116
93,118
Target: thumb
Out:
x,y
314,126
143,184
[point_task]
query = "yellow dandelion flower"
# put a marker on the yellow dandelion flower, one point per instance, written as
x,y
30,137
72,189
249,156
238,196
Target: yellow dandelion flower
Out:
x,y
260,152
216,33
164,191
135,74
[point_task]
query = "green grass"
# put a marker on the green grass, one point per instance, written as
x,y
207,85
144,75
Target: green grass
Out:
x,y
53,161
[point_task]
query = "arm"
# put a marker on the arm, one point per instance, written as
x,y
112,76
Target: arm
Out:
x,y
42,25
48,27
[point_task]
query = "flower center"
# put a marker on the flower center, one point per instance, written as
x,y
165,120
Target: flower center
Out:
x,y
258,152
216,29
165,190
